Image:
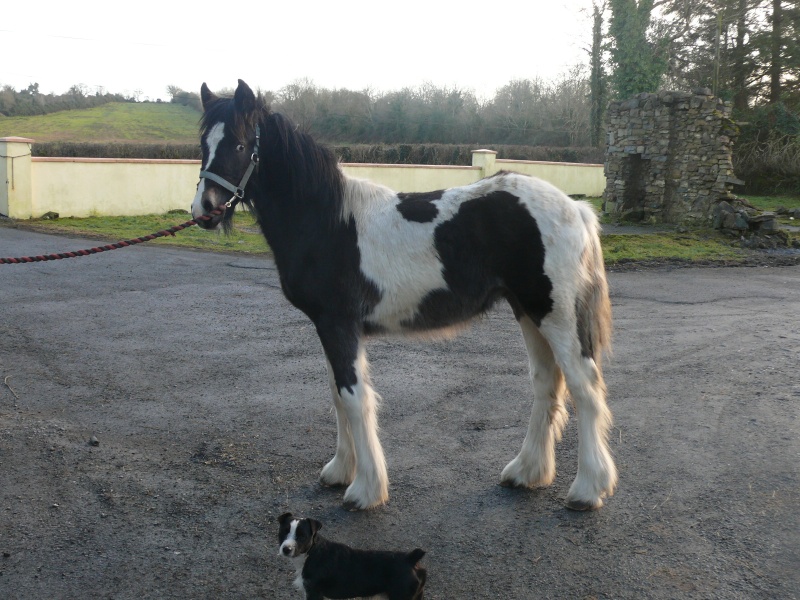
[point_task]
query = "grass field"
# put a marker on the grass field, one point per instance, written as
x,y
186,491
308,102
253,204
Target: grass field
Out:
x,y
114,122
771,203
245,237
696,245
691,246
686,245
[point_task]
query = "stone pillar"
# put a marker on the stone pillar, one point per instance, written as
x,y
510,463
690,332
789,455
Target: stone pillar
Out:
x,y
16,193
485,159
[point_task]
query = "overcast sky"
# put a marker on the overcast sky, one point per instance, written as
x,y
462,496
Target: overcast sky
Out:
x,y
144,46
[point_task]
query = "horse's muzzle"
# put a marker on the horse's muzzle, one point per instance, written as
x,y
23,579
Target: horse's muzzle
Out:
x,y
202,206
211,223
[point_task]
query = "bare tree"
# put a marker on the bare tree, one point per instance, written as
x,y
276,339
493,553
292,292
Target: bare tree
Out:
x,y
299,101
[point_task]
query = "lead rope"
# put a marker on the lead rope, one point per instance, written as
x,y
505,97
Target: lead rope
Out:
x,y
121,244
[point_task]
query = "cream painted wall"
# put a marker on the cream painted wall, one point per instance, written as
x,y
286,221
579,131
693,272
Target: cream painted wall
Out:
x,y
15,177
89,187
573,178
414,178
81,187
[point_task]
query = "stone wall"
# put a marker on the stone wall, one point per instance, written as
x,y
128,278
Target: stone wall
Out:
x,y
668,157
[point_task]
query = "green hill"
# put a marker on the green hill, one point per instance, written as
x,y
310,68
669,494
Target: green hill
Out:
x,y
143,123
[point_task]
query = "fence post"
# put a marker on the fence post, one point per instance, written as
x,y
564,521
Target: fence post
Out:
x,y
485,160
16,193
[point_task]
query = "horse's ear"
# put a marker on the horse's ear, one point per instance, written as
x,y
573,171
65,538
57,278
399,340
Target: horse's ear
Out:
x,y
244,99
206,95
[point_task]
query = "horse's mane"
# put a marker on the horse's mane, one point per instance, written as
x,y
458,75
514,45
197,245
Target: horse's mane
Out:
x,y
297,165
293,166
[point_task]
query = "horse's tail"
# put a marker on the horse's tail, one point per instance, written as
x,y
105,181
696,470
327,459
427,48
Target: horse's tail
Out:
x,y
593,306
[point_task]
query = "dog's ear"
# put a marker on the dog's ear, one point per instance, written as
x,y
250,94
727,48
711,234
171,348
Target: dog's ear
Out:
x,y
315,526
285,517
415,556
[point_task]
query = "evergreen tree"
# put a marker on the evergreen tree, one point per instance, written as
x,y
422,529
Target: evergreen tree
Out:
x,y
597,78
639,62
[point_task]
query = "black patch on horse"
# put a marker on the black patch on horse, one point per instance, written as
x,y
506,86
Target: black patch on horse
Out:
x,y
419,207
491,248
584,330
298,192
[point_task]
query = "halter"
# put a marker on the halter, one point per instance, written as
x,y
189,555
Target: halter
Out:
x,y
238,191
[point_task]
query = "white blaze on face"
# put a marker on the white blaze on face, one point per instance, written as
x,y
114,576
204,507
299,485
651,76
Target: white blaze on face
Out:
x,y
290,543
213,139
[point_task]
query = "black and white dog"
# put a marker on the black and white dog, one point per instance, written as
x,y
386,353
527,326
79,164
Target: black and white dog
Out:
x,y
329,570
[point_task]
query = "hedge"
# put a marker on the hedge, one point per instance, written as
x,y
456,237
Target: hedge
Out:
x,y
421,154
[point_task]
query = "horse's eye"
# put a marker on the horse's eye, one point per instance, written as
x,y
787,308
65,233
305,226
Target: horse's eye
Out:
x,y
240,148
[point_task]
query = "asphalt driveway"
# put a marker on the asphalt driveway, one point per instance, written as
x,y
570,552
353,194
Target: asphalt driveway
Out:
x,y
160,408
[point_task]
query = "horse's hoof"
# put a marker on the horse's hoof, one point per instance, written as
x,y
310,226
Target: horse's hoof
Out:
x,y
513,485
334,484
582,505
333,475
351,506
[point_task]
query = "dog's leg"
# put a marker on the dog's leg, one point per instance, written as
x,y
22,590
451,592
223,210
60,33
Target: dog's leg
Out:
x,y
359,404
536,463
342,468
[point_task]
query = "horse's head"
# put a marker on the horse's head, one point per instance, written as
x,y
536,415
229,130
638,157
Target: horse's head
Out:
x,y
229,140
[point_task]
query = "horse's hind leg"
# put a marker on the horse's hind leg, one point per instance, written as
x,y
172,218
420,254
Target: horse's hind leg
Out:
x,y
536,463
341,470
597,475
370,487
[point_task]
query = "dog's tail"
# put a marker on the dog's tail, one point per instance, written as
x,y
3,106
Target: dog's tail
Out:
x,y
420,572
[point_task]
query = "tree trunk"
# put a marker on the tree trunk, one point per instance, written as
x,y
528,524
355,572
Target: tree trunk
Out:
x,y
741,94
597,83
776,66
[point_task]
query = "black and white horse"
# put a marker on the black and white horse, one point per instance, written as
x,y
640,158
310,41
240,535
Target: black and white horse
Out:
x,y
360,259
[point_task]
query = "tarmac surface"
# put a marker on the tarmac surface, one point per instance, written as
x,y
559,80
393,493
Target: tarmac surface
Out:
x,y
159,408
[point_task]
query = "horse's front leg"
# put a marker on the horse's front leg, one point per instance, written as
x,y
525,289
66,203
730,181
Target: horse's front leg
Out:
x,y
341,470
358,406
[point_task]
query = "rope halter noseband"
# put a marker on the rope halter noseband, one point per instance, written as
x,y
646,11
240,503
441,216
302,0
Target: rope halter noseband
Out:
x,y
237,191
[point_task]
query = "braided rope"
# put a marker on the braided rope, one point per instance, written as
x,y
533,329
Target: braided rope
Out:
x,y
121,244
